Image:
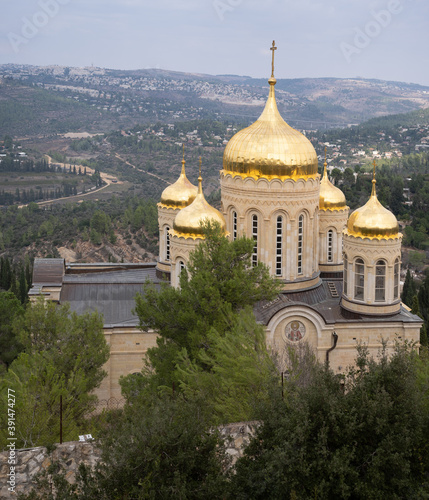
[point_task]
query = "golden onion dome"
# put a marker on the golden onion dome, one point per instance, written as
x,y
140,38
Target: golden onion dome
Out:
x,y
373,220
331,197
270,148
188,221
181,193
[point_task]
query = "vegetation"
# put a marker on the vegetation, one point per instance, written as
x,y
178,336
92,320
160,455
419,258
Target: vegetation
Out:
x,y
361,437
218,284
62,225
51,364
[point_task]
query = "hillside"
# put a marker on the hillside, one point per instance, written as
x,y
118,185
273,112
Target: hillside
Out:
x,y
58,99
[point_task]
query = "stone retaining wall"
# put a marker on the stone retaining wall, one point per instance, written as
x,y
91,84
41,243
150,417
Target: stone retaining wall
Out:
x,y
31,461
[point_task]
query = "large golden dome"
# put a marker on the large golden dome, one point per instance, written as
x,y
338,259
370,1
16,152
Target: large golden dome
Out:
x,y
331,198
270,148
373,220
181,193
188,221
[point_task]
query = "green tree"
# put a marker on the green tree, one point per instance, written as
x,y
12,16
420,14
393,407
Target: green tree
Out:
x,y
219,280
408,290
53,364
366,441
10,311
237,370
158,449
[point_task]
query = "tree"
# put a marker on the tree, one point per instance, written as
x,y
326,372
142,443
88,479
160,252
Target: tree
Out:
x,y
237,370
162,448
219,280
53,364
10,310
408,290
360,439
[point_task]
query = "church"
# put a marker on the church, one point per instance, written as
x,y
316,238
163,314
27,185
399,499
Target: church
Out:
x,y
340,272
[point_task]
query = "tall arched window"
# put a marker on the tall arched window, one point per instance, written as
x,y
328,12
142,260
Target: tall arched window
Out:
x,y
167,243
181,266
330,249
255,240
279,246
396,270
380,281
345,274
359,279
234,225
300,242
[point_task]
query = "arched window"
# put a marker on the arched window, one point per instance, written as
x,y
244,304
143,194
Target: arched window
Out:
x,y
330,252
345,274
380,281
300,242
181,266
279,246
396,270
359,279
167,243
255,240
234,225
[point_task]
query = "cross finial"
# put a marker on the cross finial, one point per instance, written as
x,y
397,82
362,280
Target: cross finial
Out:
x,y
326,163
200,165
273,48
183,146
373,193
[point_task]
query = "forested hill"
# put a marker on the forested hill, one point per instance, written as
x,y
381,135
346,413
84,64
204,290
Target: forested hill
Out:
x,y
411,119
31,111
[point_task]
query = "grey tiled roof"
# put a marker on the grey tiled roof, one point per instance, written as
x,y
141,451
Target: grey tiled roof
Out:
x,y
110,293
321,300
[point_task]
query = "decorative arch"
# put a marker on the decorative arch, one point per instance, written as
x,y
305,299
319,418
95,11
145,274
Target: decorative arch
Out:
x,y
291,312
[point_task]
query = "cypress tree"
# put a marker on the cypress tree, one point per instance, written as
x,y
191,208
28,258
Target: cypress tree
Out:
x,y
409,290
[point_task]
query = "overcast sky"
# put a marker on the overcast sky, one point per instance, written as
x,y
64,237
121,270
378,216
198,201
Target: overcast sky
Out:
x,y
384,39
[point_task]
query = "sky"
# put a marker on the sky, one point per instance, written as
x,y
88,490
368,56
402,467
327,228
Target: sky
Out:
x,y
383,39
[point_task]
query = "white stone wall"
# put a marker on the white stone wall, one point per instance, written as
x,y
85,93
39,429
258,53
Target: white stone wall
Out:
x,y
336,221
268,200
371,251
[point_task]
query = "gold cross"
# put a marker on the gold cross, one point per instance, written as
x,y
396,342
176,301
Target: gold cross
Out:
x,y
200,165
373,174
273,48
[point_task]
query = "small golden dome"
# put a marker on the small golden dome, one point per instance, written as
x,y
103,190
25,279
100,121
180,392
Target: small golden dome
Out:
x,y
270,148
373,220
188,221
181,193
331,197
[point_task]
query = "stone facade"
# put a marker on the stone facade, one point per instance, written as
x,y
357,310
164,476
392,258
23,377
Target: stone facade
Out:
x,y
360,294
331,226
32,461
128,346
166,216
292,203
181,248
